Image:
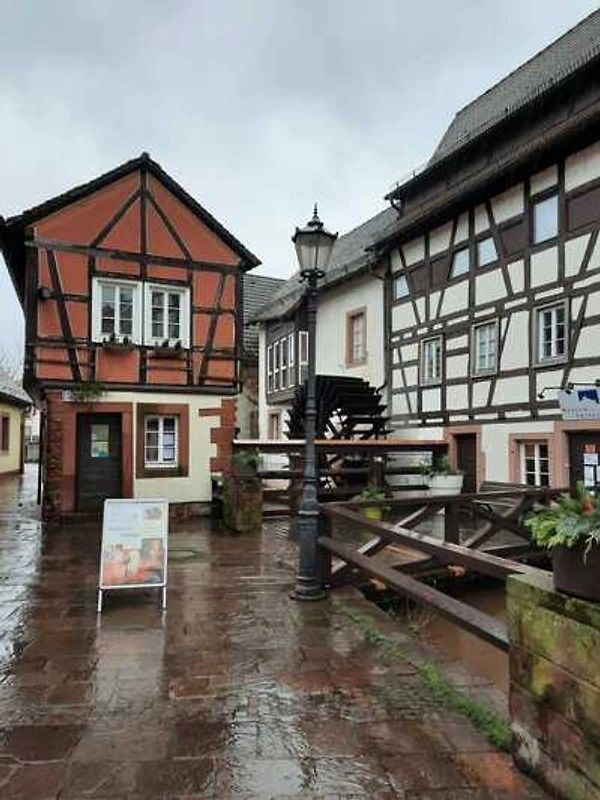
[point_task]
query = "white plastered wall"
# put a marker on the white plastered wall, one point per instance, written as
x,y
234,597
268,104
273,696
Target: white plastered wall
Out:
x,y
11,460
495,445
196,486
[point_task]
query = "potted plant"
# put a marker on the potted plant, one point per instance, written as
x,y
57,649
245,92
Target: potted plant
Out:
x,y
442,479
86,392
246,463
375,493
570,529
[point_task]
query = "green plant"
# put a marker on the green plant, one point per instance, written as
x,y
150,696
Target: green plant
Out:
x,y
247,459
87,391
373,492
439,465
574,519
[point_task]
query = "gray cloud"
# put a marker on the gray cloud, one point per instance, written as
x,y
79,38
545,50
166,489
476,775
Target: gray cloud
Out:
x,y
258,107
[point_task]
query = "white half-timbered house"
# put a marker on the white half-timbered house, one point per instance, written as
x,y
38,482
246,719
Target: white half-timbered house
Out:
x,y
495,264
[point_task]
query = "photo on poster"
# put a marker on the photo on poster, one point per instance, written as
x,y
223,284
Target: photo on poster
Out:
x,y
134,543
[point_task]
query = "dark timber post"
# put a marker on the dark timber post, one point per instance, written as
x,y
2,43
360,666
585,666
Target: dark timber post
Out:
x,y
451,526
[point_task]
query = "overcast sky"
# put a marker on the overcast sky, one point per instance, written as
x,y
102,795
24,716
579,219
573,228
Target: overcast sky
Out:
x,y
257,107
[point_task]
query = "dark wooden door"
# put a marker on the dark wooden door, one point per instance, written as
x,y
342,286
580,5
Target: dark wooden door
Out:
x,y
466,460
98,460
584,451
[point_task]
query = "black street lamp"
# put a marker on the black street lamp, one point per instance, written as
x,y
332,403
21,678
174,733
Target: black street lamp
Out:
x,y
314,245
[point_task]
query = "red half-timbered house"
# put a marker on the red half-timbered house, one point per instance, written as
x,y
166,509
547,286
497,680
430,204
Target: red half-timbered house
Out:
x,y
132,295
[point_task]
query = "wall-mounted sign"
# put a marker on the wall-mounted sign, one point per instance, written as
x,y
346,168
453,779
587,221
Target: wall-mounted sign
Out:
x,y
582,402
134,546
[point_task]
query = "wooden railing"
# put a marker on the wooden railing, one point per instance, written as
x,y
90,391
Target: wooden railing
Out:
x,y
502,510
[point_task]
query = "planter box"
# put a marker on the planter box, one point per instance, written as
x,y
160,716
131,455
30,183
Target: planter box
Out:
x,y
575,573
446,484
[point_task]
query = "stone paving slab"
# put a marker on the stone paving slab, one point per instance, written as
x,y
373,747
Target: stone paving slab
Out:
x,y
235,692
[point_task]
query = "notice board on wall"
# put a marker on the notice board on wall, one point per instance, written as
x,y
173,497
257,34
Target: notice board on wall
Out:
x,y
134,550
580,403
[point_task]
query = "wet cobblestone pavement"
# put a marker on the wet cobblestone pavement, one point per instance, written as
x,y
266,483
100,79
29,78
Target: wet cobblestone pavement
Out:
x,y
236,692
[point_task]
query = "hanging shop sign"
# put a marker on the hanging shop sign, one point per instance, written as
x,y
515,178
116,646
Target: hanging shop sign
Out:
x,y
582,402
134,546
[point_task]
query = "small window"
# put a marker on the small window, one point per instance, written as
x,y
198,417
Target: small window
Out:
x,y
535,463
545,219
276,368
284,362
486,252
116,312
274,425
431,360
460,262
357,338
270,368
167,315
551,332
5,433
400,287
291,360
303,355
160,441
485,348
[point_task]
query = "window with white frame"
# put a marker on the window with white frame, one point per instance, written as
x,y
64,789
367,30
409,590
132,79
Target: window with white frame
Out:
x,y
276,366
534,463
485,348
167,315
486,252
460,262
160,441
356,346
303,355
291,360
552,332
283,346
431,360
270,368
545,219
400,287
116,311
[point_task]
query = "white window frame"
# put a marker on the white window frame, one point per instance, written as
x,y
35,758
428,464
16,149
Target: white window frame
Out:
x,y
401,280
184,322
535,204
136,335
161,463
283,358
427,378
270,364
554,356
537,459
303,346
276,365
291,360
356,348
477,368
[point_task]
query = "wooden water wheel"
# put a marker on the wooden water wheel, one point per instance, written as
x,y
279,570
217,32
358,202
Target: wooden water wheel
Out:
x,y
347,408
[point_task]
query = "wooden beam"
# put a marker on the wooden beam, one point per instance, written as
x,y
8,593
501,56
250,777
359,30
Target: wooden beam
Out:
x,y
471,619
63,315
445,552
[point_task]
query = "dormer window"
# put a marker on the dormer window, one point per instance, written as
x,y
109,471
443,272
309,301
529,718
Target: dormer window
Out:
x,y
116,311
167,315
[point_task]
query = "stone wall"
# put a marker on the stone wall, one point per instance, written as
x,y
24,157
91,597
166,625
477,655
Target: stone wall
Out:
x,y
555,686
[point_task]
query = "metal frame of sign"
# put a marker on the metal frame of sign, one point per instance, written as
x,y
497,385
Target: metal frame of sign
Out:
x,y
102,587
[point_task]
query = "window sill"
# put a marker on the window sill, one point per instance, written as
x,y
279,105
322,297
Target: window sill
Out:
x,y
545,362
168,352
162,472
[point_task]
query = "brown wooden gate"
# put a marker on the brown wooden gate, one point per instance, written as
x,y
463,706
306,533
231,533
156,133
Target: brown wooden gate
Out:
x,y
98,460
466,460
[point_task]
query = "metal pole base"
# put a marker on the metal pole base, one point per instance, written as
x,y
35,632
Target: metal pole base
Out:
x,y
309,593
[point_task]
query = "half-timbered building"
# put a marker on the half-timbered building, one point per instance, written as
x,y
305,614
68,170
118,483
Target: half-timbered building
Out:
x,y
495,273
132,295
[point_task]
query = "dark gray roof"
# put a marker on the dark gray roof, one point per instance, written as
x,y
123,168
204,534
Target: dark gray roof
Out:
x,y
546,69
349,257
11,391
258,290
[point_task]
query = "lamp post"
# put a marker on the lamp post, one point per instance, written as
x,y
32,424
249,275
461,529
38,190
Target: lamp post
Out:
x,y
314,245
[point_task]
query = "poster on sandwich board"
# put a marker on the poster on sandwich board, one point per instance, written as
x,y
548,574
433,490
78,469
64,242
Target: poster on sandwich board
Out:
x,y
134,546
